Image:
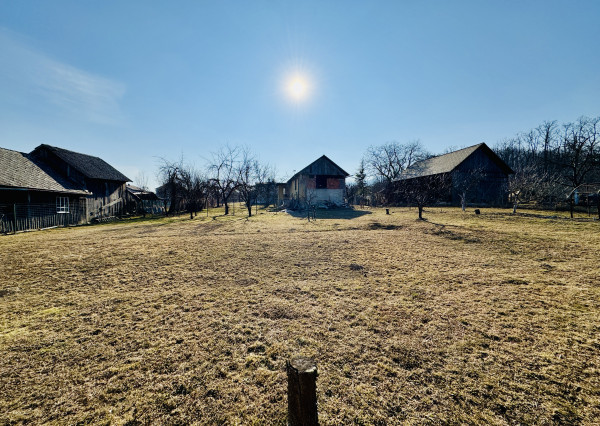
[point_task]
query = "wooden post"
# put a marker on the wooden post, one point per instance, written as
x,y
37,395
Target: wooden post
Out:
x,y
387,211
15,216
302,392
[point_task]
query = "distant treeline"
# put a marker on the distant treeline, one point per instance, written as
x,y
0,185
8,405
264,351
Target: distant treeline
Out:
x,y
552,161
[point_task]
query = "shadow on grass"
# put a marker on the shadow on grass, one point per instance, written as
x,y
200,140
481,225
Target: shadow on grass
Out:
x,y
563,216
444,231
331,214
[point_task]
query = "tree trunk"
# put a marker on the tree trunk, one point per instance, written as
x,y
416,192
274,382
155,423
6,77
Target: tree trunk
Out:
x,y
226,207
249,205
420,212
571,208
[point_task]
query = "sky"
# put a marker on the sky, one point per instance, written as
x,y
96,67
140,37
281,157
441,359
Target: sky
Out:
x,y
134,82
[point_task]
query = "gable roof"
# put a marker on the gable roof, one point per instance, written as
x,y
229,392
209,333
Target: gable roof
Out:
x,y
140,193
320,165
448,162
19,170
89,166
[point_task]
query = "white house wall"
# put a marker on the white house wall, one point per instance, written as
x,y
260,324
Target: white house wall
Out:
x,y
332,195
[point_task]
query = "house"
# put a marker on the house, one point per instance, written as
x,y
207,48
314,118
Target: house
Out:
x,y
55,187
321,182
105,184
474,174
33,196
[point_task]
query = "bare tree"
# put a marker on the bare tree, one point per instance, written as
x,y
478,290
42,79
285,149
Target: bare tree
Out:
x,y
169,191
224,168
309,199
579,151
387,162
248,169
423,191
465,183
183,185
141,181
193,187
579,154
266,188
528,184
552,162
548,133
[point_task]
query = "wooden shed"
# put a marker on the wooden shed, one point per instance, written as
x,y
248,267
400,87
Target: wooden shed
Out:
x,y
322,181
475,172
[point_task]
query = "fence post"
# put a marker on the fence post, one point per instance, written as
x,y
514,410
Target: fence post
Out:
x,y
302,392
15,216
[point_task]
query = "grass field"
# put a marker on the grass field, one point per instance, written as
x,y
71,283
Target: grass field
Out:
x,y
463,318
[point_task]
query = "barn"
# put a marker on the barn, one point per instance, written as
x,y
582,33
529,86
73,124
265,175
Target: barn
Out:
x,y
321,182
33,196
55,187
474,174
105,184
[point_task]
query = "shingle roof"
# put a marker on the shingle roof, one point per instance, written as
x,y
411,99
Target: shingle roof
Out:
x,y
447,162
140,193
19,170
91,167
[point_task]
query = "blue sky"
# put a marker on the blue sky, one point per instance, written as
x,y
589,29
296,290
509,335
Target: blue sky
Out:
x,y
134,81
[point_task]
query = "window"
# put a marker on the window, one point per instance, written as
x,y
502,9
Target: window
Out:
x,y
321,181
62,204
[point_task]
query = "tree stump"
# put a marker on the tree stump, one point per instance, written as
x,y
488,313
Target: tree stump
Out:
x,y
302,392
477,211
387,211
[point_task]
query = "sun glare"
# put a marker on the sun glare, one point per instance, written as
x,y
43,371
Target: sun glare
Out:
x,y
297,87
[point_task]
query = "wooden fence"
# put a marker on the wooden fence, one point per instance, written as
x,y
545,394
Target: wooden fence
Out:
x,y
25,217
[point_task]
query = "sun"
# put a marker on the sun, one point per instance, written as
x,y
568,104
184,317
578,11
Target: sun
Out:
x,y
297,87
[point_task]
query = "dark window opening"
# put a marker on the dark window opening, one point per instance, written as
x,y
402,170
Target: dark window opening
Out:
x,y
321,181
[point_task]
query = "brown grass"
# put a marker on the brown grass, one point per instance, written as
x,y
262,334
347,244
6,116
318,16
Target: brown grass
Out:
x,y
460,319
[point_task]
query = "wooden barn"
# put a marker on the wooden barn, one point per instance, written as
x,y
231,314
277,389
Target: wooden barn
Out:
x,y
33,196
321,182
106,185
55,187
472,175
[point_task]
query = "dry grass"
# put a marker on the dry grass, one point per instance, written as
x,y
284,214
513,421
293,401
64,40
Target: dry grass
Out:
x,y
461,319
